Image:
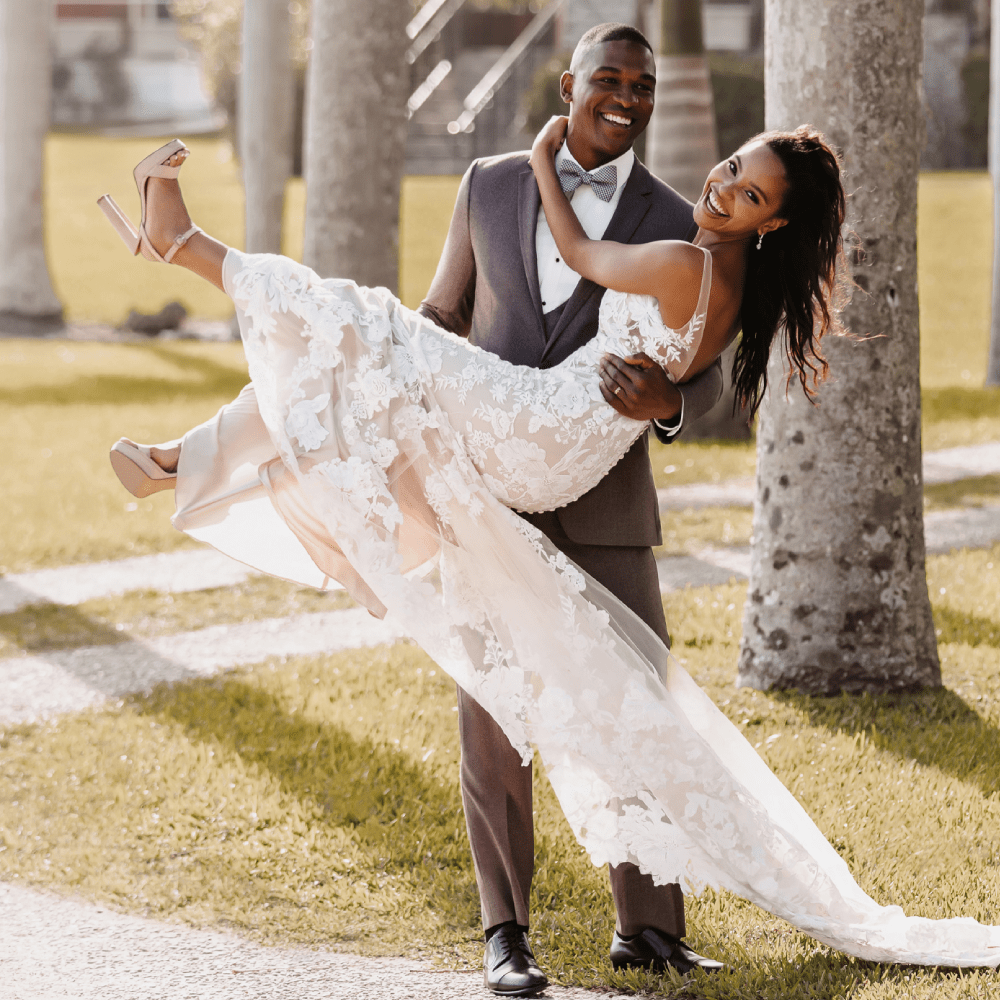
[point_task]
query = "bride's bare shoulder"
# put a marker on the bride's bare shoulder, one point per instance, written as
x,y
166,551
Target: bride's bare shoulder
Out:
x,y
679,272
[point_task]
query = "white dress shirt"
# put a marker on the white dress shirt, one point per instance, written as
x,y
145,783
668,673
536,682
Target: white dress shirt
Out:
x,y
556,279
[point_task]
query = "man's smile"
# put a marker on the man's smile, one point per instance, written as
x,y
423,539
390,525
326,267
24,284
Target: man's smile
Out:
x,y
614,119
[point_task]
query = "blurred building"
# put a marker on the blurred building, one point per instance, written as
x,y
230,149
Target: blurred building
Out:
x,y
121,67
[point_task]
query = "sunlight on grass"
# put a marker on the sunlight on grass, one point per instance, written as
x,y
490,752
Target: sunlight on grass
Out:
x,y
315,800
687,531
701,462
62,406
954,252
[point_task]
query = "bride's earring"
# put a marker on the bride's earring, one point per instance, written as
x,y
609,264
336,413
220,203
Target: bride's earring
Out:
x,y
760,241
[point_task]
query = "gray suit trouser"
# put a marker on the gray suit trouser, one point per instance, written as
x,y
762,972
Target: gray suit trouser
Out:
x,y
496,787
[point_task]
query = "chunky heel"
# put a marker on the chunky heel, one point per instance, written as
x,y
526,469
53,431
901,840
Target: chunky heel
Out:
x,y
137,240
120,221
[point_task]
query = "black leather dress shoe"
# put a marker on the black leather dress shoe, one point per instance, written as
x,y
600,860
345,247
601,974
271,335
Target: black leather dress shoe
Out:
x,y
509,968
655,950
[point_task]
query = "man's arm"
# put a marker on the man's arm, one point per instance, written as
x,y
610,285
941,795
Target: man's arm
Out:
x,y
452,293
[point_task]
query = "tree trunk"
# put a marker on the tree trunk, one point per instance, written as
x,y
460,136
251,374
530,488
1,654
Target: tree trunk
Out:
x,y
356,139
266,96
838,594
993,359
28,304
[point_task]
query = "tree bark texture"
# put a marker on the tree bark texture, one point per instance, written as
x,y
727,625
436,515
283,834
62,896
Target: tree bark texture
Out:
x,y
28,304
356,139
993,358
838,595
266,107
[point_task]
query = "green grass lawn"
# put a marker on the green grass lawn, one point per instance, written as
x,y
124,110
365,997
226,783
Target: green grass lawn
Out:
x,y
315,800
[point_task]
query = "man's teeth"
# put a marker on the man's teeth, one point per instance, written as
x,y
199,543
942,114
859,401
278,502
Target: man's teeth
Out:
x,y
618,120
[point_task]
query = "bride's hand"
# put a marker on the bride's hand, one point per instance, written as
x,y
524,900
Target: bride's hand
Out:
x,y
548,140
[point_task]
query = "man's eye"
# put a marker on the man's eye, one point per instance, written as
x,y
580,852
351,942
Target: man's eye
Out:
x,y
732,167
752,197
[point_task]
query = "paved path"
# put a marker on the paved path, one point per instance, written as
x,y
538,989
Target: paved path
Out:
x,y
53,947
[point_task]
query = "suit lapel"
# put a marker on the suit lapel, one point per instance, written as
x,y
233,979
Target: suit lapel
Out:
x,y
632,208
528,204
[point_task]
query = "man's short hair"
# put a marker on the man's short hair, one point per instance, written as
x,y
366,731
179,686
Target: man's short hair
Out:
x,y
609,32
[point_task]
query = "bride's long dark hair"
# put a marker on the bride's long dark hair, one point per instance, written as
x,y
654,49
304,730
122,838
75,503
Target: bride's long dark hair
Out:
x,y
793,280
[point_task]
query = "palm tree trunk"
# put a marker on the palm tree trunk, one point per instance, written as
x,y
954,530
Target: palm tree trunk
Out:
x,y
266,105
28,304
682,148
838,594
993,360
356,139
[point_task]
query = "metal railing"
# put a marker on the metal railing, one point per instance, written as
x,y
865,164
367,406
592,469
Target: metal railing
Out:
x,y
433,47
516,66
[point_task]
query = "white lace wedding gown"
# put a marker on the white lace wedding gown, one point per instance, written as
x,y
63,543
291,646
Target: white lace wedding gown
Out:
x,y
377,451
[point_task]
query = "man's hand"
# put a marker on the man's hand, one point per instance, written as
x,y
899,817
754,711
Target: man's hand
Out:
x,y
638,387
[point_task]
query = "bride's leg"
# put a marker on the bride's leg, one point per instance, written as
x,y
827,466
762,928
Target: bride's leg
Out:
x,y
167,217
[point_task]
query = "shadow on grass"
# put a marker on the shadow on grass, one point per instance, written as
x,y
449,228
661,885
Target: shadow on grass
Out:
x,y
209,378
55,626
960,493
935,728
409,816
957,403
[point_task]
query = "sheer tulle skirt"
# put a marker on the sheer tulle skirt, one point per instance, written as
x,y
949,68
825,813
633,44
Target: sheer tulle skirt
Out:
x,y
306,478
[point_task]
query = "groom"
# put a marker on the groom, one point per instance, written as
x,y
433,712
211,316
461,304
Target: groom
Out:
x,y
501,283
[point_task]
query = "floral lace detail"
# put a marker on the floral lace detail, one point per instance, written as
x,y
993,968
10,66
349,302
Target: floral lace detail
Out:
x,y
396,441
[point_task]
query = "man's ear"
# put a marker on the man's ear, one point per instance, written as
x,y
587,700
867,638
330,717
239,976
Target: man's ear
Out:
x,y
566,87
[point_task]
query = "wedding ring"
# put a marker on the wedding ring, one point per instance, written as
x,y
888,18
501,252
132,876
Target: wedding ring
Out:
x,y
618,390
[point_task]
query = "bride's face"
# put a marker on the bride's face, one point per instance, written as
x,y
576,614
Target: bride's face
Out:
x,y
743,194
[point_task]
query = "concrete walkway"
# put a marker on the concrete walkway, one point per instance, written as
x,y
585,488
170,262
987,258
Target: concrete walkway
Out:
x,y
54,947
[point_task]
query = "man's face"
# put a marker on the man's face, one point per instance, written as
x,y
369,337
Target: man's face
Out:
x,y
610,94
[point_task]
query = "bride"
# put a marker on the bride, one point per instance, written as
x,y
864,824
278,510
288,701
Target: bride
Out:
x,y
375,451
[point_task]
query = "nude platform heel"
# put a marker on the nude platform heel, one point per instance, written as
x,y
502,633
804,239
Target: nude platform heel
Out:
x,y
138,473
137,240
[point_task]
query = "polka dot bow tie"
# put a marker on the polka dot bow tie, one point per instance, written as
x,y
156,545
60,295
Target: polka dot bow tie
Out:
x,y
603,180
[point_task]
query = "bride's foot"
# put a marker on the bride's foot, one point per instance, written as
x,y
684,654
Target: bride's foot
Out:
x,y
144,469
166,214
165,231
166,456
167,219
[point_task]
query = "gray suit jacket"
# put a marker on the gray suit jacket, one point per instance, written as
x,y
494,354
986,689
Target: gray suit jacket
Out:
x,y
486,288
